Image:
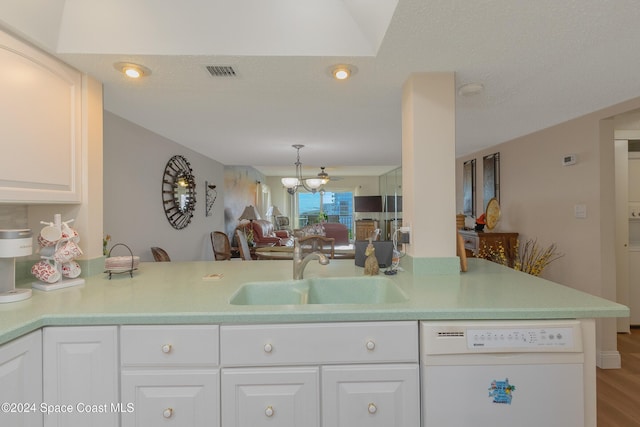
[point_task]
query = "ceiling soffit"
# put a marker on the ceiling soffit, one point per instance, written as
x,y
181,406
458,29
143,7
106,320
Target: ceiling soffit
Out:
x,y
219,27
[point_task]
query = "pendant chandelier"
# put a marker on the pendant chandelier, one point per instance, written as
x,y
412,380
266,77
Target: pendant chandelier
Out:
x,y
310,184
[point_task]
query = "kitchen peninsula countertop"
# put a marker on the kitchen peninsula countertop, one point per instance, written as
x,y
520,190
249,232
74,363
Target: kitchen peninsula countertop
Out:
x,y
175,293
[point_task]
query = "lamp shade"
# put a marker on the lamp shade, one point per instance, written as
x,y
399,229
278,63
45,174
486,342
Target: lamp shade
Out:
x,y
250,213
290,182
314,183
276,211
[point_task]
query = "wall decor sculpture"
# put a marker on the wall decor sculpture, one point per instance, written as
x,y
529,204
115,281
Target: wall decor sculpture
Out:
x,y
178,192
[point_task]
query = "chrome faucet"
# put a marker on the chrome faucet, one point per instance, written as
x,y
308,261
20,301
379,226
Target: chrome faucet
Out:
x,y
300,263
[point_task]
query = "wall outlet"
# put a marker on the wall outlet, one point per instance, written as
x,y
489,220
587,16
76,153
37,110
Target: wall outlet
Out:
x,y
404,234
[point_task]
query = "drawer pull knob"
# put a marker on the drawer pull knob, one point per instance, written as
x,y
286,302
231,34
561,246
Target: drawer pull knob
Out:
x,y
268,348
371,345
372,408
269,411
167,413
166,348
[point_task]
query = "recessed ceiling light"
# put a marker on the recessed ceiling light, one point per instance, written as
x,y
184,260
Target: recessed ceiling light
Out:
x,y
342,71
470,89
132,70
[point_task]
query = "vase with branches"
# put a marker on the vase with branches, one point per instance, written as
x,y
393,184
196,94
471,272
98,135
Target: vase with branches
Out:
x,y
528,257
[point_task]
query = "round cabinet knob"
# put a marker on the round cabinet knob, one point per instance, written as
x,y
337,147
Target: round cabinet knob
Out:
x,y
372,408
371,345
167,413
166,348
269,411
268,348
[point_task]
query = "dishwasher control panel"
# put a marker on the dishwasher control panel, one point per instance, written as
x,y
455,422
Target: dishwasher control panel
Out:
x,y
520,338
500,336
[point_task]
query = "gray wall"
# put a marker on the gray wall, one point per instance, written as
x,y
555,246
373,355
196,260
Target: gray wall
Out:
x,y
134,162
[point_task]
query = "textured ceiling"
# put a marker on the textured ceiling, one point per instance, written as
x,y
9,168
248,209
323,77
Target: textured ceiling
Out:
x,y
541,63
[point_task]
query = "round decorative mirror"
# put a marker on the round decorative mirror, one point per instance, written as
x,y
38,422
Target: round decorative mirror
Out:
x,y
178,192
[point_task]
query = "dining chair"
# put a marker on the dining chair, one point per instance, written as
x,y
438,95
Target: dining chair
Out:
x,y
245,253
160,254
326,245
221,246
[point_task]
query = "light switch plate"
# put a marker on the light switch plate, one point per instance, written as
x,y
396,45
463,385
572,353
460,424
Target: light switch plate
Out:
x,y
580,211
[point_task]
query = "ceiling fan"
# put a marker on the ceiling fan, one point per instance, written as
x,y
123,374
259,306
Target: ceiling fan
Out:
x,y
325,176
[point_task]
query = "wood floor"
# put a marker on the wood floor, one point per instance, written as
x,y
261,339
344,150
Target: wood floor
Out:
x,y
619,389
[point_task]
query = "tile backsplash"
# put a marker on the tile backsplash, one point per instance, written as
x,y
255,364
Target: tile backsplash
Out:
x,y
13,216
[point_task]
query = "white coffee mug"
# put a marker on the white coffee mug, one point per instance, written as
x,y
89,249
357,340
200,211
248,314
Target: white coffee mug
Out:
x,y
67,252
71,269
45,271
49,235
70,233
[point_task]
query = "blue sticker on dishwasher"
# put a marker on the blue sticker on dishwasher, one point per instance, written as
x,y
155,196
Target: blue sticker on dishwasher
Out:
x,y
501,391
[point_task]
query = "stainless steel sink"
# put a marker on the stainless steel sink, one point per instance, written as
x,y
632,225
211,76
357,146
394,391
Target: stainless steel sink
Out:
x,y
331,290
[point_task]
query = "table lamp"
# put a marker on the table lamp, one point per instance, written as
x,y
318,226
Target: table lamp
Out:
x,y
250,213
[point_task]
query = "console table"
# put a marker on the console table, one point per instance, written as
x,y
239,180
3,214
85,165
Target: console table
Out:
x,y
364,228
474,241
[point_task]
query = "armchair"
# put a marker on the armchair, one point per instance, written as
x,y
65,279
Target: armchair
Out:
x,y
338,231
263,233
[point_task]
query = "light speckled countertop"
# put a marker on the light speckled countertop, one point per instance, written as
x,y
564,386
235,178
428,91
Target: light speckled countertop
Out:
x,y
175,293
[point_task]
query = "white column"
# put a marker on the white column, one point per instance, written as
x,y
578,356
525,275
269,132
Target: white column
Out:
x,y
428,171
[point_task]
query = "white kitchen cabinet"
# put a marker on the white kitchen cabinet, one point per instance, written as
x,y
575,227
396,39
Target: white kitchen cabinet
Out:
x,y
21,381
80,376
319,343
170,375
376,362
283,397
172,397
371,395
41,131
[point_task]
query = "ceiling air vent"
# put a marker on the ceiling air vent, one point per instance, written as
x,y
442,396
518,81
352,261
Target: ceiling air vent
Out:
x,y
221,71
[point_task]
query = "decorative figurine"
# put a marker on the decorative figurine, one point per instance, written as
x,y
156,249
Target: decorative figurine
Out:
x,y
371,262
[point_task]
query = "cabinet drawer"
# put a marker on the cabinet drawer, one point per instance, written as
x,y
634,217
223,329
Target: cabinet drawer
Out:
x,y
171,398
371,395
263,397
324,343
175,345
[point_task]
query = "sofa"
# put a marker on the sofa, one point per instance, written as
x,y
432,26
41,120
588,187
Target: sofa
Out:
x,y
338,231
264,233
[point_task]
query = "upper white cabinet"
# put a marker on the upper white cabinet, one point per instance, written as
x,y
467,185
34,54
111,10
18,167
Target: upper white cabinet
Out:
x,y
40,126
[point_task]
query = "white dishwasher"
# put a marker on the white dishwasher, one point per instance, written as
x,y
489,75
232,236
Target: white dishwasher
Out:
x,y
502,373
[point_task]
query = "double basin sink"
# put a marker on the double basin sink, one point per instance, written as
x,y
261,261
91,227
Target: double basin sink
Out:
x,y
326,290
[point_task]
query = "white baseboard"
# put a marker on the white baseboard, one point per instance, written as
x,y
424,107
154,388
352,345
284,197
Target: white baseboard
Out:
x,y
608,359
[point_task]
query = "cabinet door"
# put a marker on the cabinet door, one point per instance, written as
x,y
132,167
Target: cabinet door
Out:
x,y
41,114
80,369
180,398
283,397
371,395
21,381
365,228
